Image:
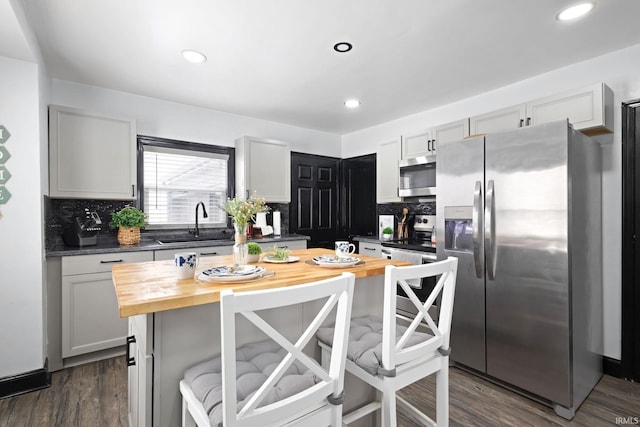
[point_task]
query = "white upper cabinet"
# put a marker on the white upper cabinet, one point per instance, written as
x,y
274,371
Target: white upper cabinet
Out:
x,y
425,143
448,132
91,156
503,119
263,169
589,110
417,145
387,172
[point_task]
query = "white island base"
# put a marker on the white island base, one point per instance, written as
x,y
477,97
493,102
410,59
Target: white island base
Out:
x,y
169,342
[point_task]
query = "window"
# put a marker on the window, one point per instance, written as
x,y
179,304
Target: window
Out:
x,y
174,176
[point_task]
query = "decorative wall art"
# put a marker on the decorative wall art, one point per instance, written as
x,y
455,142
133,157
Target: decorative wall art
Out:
x,y
5,195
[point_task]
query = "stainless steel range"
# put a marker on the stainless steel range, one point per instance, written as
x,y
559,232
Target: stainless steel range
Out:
x,y
418,249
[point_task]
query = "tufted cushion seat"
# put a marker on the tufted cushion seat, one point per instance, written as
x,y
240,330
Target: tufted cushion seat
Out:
x,y
255,362
365,341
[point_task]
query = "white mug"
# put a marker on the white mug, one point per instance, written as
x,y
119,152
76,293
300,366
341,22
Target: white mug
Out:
x,y
344,249
186,263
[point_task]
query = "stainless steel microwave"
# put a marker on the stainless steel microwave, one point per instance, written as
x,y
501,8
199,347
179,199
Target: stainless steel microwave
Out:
x,y
417,177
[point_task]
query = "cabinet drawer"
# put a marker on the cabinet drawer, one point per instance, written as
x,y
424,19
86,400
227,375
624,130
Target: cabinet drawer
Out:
x,y
100,263
370,249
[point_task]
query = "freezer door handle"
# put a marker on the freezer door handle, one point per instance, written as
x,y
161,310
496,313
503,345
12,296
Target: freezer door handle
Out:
x,y
476,219
490,231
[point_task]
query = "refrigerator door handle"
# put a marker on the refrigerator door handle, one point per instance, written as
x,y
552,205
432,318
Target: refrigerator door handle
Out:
x,y
490,231
476,220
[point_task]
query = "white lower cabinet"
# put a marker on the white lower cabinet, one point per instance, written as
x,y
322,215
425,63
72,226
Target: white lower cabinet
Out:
x,y
166,254
370,249
140,370
90,318
291,245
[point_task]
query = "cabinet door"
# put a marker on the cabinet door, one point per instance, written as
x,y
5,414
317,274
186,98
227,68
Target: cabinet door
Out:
x,y
504,119
416,145
370,249
91,156
387,173
132,383
585,108
453,131
292,245
263,168
140,376
166,254
90,319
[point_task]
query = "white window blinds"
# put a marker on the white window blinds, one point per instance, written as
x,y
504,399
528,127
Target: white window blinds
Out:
x,y
175,180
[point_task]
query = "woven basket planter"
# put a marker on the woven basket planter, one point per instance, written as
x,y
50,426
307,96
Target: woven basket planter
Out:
x,y
128,235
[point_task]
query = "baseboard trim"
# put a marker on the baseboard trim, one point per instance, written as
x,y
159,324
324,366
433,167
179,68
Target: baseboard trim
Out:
x,y
612,367
25,382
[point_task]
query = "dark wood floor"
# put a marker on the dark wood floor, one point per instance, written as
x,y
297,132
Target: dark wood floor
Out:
x,y
95,394
89,395
477,402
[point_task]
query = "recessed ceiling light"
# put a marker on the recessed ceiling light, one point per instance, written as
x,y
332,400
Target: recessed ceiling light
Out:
x,y
351,103
194,56
575,12
342,47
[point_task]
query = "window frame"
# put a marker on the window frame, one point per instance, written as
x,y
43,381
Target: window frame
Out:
x,y
143,140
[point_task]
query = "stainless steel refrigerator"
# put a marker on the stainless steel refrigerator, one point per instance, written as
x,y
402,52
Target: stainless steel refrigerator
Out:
x,y
522,212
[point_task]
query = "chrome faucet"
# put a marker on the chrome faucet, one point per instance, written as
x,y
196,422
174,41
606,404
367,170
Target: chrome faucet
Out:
x,y
196,231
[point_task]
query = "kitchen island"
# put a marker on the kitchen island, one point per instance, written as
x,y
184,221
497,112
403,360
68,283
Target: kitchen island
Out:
x,y
174,324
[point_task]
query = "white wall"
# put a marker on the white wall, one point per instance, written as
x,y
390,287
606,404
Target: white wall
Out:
x,y
21,247
619,71
166,119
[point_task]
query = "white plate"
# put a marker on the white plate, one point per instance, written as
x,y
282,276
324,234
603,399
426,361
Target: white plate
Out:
x,y
332,261
281,261
227,274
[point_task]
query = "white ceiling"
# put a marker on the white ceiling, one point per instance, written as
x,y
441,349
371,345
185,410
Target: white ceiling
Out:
x,y
273,59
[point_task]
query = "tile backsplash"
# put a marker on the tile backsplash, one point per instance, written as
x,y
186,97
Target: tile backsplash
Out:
x,y
59,212
415,208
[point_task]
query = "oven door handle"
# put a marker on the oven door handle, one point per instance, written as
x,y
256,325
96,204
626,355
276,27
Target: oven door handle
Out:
x,y
476,219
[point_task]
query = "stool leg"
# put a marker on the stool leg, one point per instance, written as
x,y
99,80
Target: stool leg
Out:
x,y
187,419
388,404
442,394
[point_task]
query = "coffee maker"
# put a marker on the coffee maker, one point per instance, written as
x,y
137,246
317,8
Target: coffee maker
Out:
x,y
83,229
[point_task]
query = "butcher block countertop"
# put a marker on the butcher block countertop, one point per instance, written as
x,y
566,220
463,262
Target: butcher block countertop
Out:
x,y
149,287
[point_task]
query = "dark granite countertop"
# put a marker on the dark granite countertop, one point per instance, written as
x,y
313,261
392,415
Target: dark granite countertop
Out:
x,y
110,245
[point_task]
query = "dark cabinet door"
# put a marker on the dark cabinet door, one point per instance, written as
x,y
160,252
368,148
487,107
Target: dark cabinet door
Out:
x,y
358,197
314,198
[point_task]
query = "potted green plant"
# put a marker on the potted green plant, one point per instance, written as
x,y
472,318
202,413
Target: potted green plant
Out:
x,y
387,233
128,221
254,250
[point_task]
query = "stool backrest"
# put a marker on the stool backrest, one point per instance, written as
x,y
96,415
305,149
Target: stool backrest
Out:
x,y
396,353
338,292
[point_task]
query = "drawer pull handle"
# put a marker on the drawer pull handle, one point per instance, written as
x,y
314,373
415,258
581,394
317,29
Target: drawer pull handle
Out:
x,y
371,249
131,361
208,253
111,262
